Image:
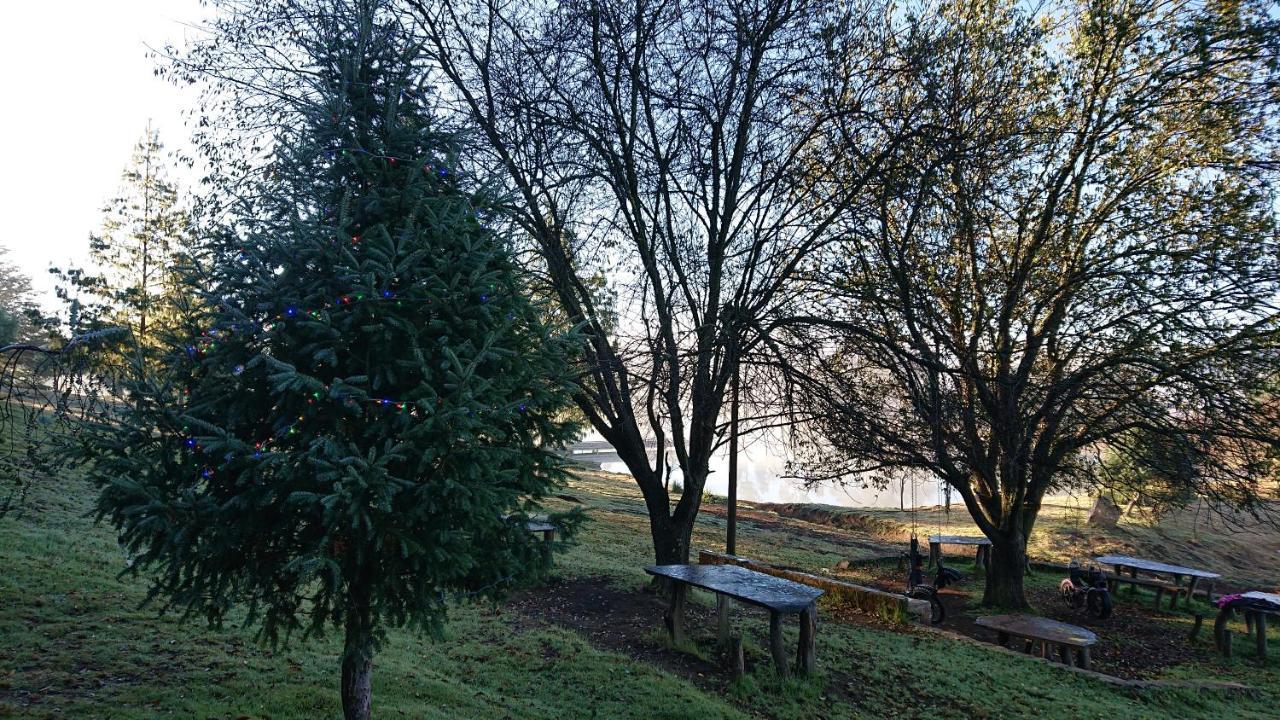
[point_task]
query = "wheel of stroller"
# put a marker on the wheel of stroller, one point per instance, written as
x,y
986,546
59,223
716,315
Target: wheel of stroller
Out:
x,y
937,613
1098,604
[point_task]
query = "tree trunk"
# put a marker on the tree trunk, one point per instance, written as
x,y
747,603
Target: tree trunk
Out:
x,y
357,672
1005,572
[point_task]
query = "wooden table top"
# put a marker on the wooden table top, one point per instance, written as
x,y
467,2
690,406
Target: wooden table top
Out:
x,y
959,540
749,586
1039,627
1154,566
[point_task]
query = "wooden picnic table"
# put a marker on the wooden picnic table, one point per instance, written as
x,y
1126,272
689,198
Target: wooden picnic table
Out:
x,y
1134,564
981,558
1033,629
1255,622
540,526
778,596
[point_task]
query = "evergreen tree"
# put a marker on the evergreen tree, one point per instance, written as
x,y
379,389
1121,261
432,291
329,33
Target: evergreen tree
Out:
x,y
16,303
132,280
368,416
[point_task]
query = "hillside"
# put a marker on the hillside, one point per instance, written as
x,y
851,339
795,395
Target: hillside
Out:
x,y
587,645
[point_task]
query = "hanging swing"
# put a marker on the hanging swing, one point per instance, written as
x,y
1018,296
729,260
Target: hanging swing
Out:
x,y
916,587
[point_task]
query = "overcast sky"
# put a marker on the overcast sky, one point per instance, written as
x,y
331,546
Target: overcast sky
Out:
x,y
78,90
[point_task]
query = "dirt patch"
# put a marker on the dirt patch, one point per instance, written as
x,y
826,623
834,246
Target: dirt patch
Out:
x,y
625,621
1135,643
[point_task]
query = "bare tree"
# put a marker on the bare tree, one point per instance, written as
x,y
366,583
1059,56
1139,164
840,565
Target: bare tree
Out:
x,y
661,150
1084,249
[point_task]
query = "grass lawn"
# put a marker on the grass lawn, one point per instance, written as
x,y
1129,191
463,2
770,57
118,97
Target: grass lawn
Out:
x,y
74,644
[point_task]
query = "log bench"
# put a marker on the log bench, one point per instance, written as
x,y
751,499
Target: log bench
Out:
x,y
780,597
1065,639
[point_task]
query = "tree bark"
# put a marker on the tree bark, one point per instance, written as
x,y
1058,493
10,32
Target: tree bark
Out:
x,y
1005,572
357,670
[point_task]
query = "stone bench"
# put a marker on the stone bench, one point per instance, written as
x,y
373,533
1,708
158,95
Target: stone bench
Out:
x,y
780,597
1067,639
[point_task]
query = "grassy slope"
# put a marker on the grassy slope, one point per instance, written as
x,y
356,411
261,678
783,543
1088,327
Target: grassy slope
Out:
x,y
74,644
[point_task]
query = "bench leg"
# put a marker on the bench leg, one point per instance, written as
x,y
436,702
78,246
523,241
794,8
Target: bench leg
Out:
x,y
1002,638
935,554
675,613
722,619
775,643
977,559
1082,658
1028,646
1260,627
736,659
1191,591
1248,624
1195,629
1221,635
805,654
1173,601
1064,654
1160,596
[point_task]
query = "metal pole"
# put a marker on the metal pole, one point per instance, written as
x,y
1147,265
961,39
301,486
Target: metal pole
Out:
x,y
731,540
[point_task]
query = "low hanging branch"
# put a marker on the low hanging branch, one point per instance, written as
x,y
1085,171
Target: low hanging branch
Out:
x,y
44,393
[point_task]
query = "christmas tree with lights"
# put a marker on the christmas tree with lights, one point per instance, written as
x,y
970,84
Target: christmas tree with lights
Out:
x,y
364,420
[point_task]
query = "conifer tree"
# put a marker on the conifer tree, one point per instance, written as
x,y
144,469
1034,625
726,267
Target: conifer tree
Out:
x,y
368,413
132,279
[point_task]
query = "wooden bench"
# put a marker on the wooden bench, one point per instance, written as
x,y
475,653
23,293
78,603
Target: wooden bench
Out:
x,y
1160,586
780,597
1066,638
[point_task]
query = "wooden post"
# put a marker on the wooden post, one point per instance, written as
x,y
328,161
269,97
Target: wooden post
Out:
x,y
775,643
675,613
1260,628
1064,654
1221,635
1191,590
935,553
1195,629
736,660
1082,658
722,618
806,652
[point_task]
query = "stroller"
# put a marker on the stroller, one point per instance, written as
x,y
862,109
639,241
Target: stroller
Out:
x,y
917,589
1086,590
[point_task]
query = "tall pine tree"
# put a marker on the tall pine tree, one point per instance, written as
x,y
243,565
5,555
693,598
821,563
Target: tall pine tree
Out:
x,y
370,412
133,279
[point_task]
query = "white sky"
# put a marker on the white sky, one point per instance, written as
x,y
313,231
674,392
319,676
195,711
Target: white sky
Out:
x,y
78,91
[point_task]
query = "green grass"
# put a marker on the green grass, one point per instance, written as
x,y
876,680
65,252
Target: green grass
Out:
x,y
73,644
